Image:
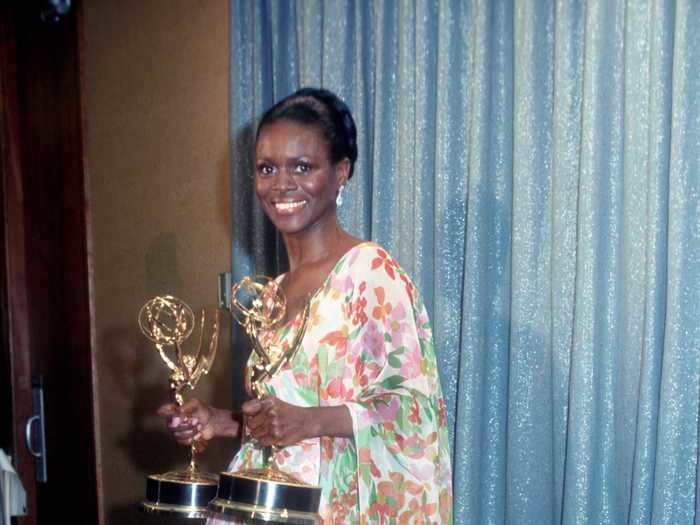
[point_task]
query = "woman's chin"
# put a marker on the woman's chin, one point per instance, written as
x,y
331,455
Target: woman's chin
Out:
x,y
303,221
289,225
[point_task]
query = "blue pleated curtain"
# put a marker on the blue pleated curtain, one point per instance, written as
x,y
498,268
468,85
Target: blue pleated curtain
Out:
x,y
535,166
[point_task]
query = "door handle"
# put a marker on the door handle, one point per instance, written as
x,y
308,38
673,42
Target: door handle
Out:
x,y
35,435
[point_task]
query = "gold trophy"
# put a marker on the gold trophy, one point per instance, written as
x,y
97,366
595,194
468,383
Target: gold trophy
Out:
x,y
265,494
168,322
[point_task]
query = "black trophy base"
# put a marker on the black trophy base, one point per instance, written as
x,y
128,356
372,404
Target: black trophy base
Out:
x,y
184,494
261,495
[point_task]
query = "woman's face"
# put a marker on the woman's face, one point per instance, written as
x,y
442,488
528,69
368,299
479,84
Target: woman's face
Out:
x,y
295,179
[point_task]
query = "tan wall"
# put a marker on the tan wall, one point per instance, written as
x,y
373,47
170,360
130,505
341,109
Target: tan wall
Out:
x,y
156,86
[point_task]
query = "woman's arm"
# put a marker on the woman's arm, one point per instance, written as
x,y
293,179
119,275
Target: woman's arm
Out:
x,y
274,422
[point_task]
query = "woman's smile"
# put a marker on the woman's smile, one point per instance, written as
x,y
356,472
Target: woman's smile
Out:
x,y
288,207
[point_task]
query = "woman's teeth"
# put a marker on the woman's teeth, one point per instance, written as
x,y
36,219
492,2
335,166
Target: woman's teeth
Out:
x,y
288,206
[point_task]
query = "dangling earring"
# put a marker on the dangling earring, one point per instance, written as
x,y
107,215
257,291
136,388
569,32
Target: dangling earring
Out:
x,y
339,198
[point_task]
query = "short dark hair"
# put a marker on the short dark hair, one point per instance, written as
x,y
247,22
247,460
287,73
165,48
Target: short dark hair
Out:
x,y
321,108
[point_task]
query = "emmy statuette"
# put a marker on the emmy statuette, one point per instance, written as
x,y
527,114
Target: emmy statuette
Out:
x,y
167,322
265,494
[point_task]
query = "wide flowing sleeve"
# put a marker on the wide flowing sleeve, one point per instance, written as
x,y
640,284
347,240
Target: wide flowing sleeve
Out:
x,y
381,365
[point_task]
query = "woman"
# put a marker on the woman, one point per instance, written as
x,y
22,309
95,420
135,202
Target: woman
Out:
x,y
359,410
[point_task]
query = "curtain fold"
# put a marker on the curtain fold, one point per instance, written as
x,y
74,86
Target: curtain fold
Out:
x,y
535,167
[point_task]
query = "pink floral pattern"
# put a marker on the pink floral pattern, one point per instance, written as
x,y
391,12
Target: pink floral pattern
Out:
x,y
369,347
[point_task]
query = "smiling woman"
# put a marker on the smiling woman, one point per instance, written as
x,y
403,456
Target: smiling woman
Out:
x,y
359,410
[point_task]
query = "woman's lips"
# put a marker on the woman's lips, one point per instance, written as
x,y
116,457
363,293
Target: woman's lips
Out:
x,y
288,207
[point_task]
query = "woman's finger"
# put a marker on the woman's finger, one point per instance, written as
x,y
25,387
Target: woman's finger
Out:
x,y
251,407
167,410
179,421
253,423
186,431
261,435
194,408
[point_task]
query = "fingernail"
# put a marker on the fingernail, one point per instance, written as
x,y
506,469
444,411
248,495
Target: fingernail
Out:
x,y
175,421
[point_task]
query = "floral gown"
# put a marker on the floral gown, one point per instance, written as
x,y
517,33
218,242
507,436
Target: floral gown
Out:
x,y
368,346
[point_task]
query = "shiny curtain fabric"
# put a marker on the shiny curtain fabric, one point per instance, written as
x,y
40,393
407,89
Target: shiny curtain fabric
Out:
x,y
535,166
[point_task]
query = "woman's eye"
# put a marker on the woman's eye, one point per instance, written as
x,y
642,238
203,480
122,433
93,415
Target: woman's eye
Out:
x,y
265,170
302,167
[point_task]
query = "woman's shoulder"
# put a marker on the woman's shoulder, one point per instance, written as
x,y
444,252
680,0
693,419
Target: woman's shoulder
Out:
x,y
368,270
363,255
371,262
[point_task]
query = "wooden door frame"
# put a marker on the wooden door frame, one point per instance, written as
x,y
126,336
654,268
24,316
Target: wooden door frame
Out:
x,y
16,338
46,274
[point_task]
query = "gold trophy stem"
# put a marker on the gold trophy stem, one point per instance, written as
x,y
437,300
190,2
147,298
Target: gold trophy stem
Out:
x,y
266,456
195,447
193,465
266,452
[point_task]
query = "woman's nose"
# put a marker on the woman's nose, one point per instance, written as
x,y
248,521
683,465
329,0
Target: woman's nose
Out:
x,y
284,180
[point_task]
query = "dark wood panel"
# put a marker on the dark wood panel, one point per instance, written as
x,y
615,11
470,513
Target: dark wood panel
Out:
x,y
16,333
54,216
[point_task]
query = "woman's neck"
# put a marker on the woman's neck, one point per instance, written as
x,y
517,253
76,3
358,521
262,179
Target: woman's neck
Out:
x,y
316,246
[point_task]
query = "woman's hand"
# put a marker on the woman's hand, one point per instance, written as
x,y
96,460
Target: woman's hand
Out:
x,y
271,421
195,421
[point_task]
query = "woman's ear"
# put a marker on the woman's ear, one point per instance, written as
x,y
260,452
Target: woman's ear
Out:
x,y
342,171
